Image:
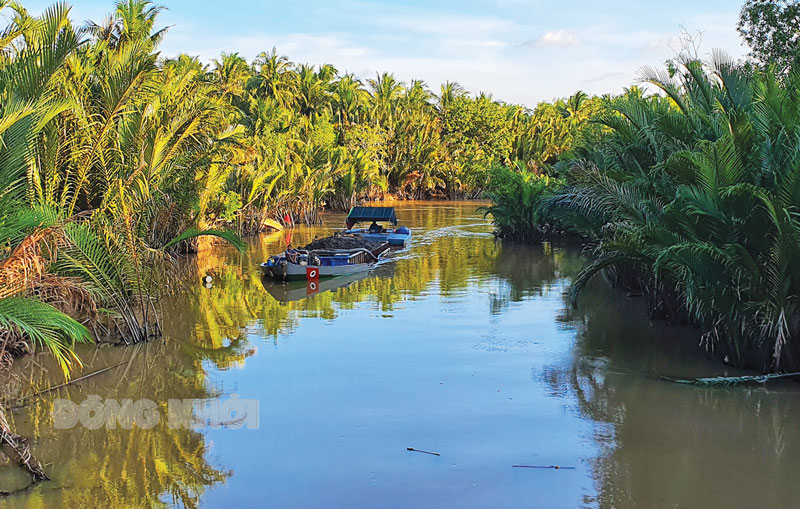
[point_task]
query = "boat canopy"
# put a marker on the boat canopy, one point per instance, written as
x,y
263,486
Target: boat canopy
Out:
x,y
358,214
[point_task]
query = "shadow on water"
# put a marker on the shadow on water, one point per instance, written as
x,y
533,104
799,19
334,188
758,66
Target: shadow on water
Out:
x,y
664,444
458,344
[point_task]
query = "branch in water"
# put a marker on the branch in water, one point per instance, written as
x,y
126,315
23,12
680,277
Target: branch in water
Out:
x,y
732,380
18,450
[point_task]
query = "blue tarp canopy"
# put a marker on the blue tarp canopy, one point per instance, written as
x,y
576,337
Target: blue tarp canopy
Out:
x,y
358,214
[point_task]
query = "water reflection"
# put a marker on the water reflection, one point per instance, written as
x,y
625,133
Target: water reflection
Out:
x,y
459,344
670,445
116,467
526,272
296,290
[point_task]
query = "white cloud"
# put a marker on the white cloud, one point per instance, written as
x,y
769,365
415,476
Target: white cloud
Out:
x,y
561,38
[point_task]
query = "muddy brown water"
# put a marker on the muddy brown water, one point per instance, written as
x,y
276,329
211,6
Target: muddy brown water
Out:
x,y
458,345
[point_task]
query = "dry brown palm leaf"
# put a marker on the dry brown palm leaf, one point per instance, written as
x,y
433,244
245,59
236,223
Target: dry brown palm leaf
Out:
x,y
28,261
12,344
67,294
23,265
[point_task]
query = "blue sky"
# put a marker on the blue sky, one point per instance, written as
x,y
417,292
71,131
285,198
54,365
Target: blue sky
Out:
x,y
521,51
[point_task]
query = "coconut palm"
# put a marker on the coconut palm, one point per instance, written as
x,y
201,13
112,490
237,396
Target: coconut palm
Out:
x,y
114,157
349,100
449,92
313,92
85,127
274,77
230,74
385,92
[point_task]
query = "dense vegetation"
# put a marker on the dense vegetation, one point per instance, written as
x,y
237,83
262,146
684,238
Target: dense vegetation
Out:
x,y
115,157
769,27
99,146
689,196
692,199
299,138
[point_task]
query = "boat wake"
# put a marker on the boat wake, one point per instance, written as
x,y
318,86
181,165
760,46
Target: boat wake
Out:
x,y
431,236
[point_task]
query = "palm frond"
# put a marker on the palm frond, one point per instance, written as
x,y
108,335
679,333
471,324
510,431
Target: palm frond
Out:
x,y
45,326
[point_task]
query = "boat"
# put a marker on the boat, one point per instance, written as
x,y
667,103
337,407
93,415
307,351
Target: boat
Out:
x,y
298,264
298,290
396,237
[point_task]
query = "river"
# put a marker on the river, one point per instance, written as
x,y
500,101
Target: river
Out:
x,y
458,345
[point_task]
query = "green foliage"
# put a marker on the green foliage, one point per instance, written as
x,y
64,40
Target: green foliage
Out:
x,y
103,148
226,235
689,197
518,209
549,133
692,200
478,129
771,30
45,326
299,128
225,205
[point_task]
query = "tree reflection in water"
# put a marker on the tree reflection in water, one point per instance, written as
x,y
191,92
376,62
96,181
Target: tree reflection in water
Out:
x,y
663,443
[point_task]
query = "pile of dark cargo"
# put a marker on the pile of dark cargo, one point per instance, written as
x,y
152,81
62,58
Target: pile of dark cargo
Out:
x,y
341,241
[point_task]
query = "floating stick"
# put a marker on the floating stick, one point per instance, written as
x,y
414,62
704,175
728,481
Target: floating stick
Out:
x,y
554,467
425,452
732,380
21,401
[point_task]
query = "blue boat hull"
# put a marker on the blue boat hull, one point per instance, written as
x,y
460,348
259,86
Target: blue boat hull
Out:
x,y
394,239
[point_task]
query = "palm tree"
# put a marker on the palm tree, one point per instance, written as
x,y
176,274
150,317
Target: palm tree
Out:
x,y
274,77
417,95
133,22
114,158
27,83
230,74
313,92
385,91
137,20
349,100
518,206
96,146
448,93
574,105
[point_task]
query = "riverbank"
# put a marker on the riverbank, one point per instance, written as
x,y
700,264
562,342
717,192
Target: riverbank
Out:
x,y
677,204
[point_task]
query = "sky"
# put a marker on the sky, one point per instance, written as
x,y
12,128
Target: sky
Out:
x,y
520,51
